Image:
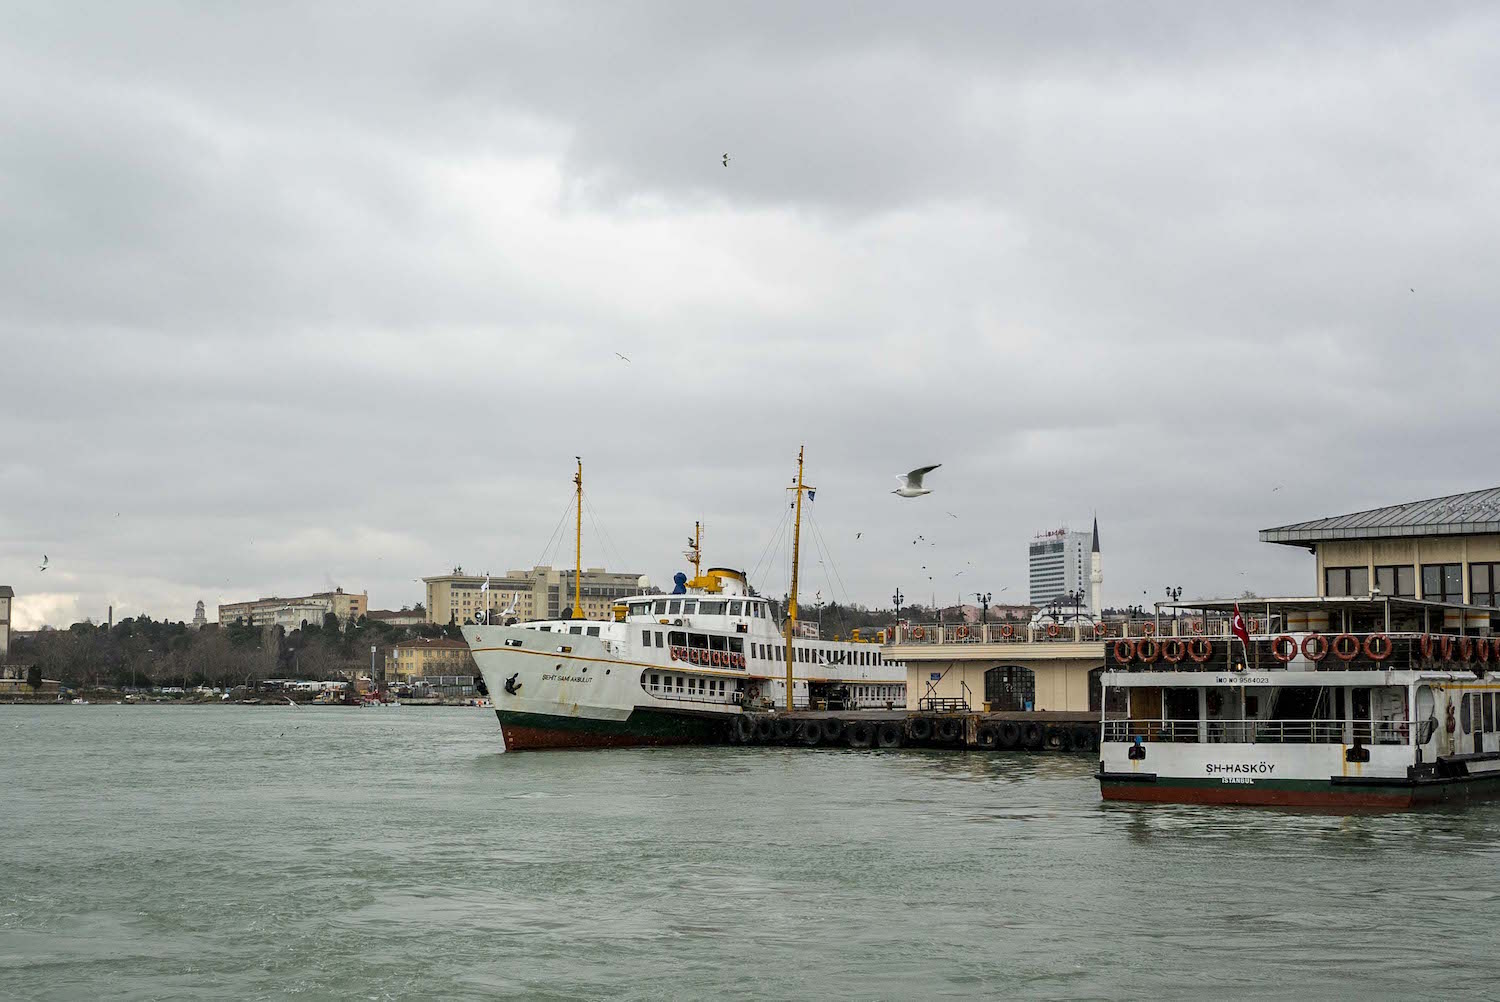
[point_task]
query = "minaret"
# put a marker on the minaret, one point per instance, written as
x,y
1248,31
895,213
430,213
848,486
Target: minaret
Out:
x,y
1096,575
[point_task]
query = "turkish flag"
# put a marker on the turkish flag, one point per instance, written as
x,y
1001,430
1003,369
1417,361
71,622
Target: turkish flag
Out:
x,y
1238,626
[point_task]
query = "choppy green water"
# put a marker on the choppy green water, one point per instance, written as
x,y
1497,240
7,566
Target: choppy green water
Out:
x,y
184,853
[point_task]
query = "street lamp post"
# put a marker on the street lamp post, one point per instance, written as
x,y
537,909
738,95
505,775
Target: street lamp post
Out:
x,y
896,598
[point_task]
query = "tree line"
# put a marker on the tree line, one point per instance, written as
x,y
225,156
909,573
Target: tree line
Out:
x,y
141,652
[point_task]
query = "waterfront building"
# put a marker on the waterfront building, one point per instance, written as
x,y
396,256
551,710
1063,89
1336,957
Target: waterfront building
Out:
x,y
428,656
540,593
1064,563
6,597
200,618
403,617
1443,549
291,613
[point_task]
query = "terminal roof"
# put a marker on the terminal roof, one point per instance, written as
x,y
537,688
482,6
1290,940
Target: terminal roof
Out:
x,y
1471,514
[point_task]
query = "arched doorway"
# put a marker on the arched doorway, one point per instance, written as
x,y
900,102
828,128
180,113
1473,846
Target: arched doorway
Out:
x,y
1096,693
1010,688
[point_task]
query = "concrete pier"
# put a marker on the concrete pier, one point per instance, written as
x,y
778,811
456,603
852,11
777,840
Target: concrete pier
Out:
x,y
1036,731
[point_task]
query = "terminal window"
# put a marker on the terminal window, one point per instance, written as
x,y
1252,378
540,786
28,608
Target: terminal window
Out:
x,y
1341,582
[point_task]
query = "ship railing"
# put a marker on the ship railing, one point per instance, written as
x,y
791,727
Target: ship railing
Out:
x,y
1316,732
999,633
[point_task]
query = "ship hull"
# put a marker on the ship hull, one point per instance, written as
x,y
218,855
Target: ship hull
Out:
x,y
642,728
1394,794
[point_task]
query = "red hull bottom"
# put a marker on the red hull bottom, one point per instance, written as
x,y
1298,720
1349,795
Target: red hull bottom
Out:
x,y
1256,797
518,738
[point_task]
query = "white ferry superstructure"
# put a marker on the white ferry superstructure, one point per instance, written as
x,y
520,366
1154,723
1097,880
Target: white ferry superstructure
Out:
x,y
1334,702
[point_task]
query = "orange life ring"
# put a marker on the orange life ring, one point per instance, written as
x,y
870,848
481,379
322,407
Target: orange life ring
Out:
x,y
1345,647
1053,629
1149,629
1482,648
1124,651
1445,644
1100,629
963,631
1452,724
753,692
1173,650
1315,642
1465,649
1385,647
918,633
1254,626
1284,648
1007,631
1200,649
1427,645
1140,650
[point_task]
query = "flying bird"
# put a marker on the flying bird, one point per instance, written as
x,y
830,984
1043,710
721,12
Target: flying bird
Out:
x,y
951,515
726,160
622,357
44,563
911,486
858,534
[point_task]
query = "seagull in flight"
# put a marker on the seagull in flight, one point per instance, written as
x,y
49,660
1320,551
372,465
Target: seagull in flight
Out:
x,y
726,160
911,483
44,563
951,515
622,357
858,534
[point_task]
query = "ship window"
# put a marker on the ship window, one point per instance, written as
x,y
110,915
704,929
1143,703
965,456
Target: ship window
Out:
x,y
646,637
689,606
659,639
661,607
674,607
716,643
576,630
678,638
1484,584
545,629
1489,712
697,640
711,608
1466,714
640,608
1345,581
679,683
736,644
654,680
593,631
736,608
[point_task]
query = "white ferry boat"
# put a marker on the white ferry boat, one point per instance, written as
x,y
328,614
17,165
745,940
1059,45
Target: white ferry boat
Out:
x,y
1334,702
670,669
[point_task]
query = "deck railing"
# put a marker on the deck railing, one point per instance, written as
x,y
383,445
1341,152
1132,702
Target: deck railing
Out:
x,y
1316,732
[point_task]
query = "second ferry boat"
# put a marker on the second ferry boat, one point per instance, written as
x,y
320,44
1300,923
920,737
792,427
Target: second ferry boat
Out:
x,y
672,669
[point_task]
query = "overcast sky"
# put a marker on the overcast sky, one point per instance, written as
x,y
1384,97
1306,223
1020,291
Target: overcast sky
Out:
x,y
294,296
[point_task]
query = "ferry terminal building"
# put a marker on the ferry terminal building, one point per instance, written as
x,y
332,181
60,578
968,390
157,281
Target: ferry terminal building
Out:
x,y
1442,549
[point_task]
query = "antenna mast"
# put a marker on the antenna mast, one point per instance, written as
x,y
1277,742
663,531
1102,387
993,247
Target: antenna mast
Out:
x,y
578,544
791,605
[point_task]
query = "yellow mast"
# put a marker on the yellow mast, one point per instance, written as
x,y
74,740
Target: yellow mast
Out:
x,y
791,605
578,541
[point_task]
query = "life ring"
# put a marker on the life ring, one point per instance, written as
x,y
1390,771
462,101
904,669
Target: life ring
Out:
x,y
1200,649
674,655
918,633
1465,649
1427,645
1315,642
1445,643
1142,647
1482,649
1198,627
1254,626
1149,629
1007,631
1284,648
1345,647
1173,650
963,631
1385,647
1053,629
1124,651
1100,629
752,692
1451,724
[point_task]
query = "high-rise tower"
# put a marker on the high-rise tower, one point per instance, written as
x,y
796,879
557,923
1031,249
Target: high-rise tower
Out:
x,y
1096,575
